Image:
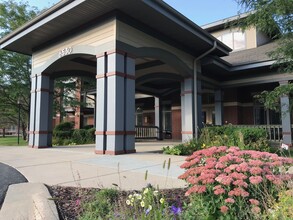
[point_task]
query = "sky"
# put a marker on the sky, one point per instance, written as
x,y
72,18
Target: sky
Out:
x,y
199,11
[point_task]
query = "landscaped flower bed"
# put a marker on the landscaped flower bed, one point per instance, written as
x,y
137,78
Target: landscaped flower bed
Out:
x,y
224,183
231,183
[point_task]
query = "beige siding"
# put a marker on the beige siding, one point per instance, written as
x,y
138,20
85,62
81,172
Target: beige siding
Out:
x,y
136,38
102,34
251,38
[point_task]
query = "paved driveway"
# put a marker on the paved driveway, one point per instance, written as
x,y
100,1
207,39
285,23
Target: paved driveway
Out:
x,y
79,166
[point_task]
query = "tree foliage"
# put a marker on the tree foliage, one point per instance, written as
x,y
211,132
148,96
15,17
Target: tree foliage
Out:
x,y
275,18
15,68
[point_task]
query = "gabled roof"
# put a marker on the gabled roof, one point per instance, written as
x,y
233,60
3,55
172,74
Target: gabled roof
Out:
x,y
70,15
222,24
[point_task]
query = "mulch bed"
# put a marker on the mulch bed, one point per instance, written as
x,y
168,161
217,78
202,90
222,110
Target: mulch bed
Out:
x,y
69,200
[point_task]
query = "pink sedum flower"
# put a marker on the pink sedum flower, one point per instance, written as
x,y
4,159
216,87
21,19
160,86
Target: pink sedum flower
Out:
x,y
255,180
224,209
255,210
254,202
229,200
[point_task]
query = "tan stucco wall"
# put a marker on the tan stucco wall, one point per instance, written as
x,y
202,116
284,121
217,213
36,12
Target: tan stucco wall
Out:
x,y
137,38
102,34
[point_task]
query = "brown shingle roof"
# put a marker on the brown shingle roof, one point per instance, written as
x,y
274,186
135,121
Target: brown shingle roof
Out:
x,y
254,55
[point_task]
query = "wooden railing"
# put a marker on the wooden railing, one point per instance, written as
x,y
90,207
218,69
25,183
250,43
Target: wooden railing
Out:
x,y
146,132
274,131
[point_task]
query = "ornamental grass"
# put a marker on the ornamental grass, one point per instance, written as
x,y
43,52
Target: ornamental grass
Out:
x,y
229,183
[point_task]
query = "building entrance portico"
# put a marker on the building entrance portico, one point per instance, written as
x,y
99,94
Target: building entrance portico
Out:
x,y
127,55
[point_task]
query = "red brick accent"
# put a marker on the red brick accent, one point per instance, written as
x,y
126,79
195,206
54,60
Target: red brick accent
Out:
x,y
99,76
121,52
130,132
186,132
100,133
115,132
40,147
114,152
286,133
99,152
100,55
124,75
43,90
186,92
130,151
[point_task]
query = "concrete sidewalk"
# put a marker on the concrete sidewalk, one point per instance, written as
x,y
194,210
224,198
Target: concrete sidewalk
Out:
x,y
79,166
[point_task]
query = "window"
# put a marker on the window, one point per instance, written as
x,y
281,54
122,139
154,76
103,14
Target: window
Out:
x,y
234,40
263,116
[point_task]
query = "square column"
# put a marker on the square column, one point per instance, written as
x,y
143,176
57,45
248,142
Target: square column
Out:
x,y
187,109
219,107
159,117
40,134
286,117
115,114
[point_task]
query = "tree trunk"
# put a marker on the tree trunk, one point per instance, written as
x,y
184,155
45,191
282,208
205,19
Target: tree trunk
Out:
x,y
24,134
3,135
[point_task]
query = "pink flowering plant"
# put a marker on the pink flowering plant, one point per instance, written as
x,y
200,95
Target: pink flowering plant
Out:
x,y
229,183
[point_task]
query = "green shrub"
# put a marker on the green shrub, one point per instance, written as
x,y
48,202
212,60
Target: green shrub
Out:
x,y
253,139
63,130
88,127
218,136
64,126
102,206
90,135
183,148
79,136
282,210
245,138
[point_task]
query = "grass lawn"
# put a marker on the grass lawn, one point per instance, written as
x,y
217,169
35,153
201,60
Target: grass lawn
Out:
x,y
12,141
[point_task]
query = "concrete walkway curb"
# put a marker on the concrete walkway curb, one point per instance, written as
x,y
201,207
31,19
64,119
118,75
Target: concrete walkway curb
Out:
x,y
28,201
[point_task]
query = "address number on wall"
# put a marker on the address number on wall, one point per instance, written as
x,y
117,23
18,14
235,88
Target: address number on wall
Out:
x,y
64,52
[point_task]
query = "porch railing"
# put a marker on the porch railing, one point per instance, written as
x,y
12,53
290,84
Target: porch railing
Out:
x,y
274,131
146,132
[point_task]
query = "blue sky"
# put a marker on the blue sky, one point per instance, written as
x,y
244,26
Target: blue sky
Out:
x,y
199,11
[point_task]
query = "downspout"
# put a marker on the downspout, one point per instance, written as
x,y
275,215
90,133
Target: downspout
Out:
x,y
196,115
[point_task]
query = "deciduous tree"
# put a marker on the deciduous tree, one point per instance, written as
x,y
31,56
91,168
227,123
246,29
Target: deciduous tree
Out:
x,y
274,17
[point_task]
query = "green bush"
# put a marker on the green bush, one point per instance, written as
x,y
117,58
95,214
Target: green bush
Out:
x,y
102,206
64,126
245,138
88,127
79,136
183,149
63,130
253,139
90,135
218,136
